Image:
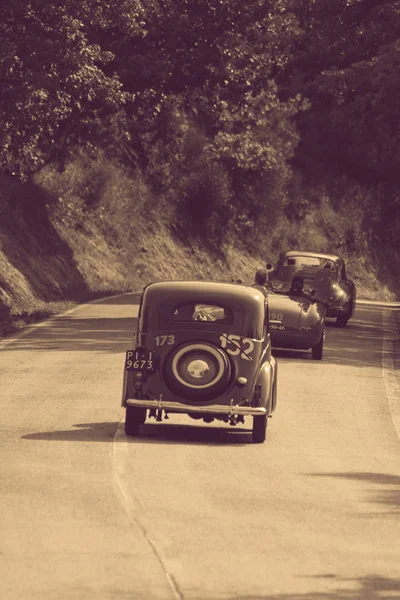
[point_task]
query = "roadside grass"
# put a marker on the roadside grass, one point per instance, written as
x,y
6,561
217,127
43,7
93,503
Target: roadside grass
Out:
x,y
18,321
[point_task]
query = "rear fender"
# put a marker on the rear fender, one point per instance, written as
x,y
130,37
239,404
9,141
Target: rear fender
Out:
x,y
267,381
124,388
284,311
312,319
352,296
275,386
128,386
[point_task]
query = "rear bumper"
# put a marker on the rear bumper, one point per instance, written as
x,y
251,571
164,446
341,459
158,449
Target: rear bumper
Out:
x,y
179,407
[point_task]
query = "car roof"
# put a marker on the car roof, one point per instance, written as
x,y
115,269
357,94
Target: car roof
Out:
x,y
204,291
160,300
291,253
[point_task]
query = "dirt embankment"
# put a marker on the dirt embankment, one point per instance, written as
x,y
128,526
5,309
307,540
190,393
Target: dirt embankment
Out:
x,y
58,250
94,231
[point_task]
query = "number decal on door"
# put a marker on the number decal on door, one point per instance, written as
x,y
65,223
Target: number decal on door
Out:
x,y
276,317
250,347
236,345
161,340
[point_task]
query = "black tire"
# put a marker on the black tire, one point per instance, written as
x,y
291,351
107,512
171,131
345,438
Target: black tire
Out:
x,y
134,418
342,320
259,432
318,350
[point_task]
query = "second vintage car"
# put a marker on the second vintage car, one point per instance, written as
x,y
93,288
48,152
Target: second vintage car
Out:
x,y
324,274
202,349
297,323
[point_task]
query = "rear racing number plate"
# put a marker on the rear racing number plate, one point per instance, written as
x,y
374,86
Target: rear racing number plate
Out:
x,y
139,360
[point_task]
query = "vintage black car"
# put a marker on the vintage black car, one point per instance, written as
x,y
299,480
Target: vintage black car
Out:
x,y
324,274
203,349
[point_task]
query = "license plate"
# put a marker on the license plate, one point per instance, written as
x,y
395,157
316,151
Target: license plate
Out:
x,y
139,360
277,327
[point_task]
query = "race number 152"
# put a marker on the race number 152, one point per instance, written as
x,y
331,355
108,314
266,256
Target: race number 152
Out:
x,y
235,345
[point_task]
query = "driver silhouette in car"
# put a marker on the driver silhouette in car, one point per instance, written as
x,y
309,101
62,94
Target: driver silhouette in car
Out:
x,y
261,281
297,289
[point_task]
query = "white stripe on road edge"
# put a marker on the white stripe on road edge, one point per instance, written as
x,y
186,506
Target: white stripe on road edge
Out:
x,y
135,507
378,303
26,330
390,376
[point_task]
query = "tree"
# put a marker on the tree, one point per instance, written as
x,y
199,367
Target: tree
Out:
x,y
53,82
347,65
145,72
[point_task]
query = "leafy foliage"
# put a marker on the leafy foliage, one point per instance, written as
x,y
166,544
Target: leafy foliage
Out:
x,y
210,100
347,66
52,82
346,63
64,59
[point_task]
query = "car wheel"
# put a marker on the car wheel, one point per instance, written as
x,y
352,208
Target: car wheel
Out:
x,y
259,432
317,351
134,418
342,320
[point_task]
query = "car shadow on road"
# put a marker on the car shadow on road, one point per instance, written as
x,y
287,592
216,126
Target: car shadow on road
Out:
x,y
370,587
154,433
149,433
81,432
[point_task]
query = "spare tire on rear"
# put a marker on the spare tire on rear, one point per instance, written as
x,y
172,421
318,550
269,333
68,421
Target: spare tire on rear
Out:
x,y
197,370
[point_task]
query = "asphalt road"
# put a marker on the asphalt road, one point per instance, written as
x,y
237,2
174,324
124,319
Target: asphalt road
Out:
x,y
197,511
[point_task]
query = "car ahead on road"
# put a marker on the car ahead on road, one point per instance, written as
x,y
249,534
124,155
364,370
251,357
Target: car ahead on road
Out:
x,y
297,323
202,349
323,273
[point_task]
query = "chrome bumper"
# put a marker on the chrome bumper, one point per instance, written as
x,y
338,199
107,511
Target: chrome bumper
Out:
x,y
216,409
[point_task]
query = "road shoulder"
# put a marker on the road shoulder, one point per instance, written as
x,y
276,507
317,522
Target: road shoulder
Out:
x,y
391,362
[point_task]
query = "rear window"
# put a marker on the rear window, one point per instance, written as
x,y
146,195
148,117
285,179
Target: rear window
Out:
x,y
207,313
311,261
311,265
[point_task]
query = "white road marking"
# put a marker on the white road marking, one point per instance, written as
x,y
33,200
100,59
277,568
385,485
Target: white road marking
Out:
x,y
389,372
134,506
26,330
378,303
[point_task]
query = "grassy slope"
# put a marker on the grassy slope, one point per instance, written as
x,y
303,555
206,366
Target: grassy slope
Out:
x,y
95,230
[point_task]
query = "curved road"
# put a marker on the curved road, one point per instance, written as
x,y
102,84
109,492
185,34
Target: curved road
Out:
x,y
197,511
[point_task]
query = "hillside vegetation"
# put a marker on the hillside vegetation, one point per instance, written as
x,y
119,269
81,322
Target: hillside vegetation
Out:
x,y
150,140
